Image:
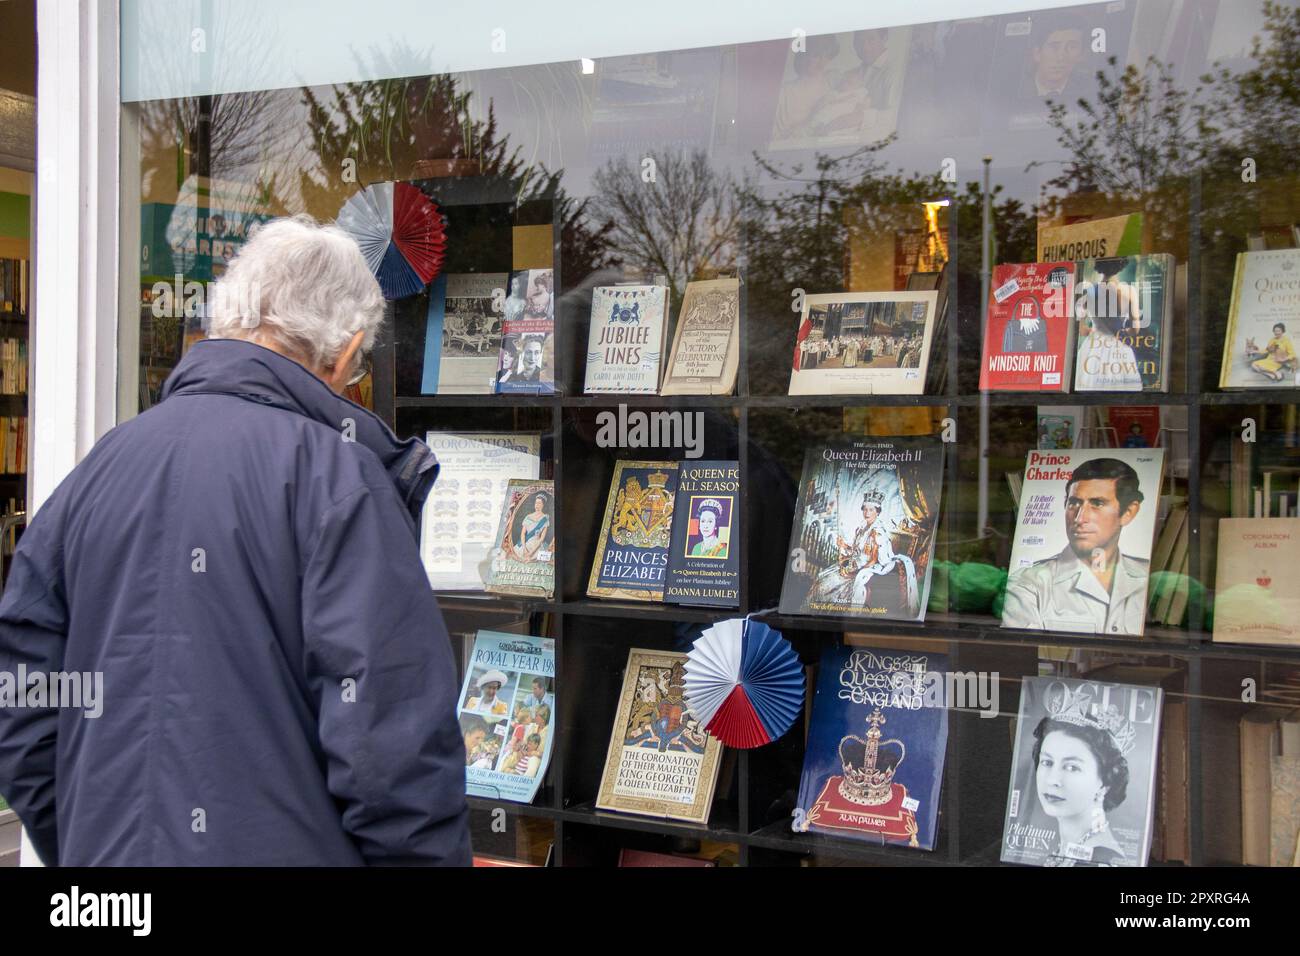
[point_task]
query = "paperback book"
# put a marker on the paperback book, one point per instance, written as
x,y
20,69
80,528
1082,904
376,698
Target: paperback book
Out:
x,y
864,529
1082,548
873,766
863,343
1029,334
705,353
626,339
1257,582
1123,307
636,532
462,342
1258,350
459,522
526,362
1083,774
660,761
507,715
523,560
704,558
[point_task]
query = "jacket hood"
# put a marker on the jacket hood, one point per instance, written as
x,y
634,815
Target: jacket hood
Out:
x,y
257,374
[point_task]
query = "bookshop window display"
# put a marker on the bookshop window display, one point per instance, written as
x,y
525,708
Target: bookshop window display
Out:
x,y
877,446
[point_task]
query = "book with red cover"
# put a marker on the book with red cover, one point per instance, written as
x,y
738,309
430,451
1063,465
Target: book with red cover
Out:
x,y
1029,336
1123,418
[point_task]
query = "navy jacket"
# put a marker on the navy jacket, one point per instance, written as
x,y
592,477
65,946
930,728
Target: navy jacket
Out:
x,y
241,563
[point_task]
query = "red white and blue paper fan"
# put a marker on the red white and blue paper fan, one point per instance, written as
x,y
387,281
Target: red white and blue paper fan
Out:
x,y
401,234
744,683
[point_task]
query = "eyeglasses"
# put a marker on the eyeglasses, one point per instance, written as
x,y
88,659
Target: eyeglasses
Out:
x,y
363,369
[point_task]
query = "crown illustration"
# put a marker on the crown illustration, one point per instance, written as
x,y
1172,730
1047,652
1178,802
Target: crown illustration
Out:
x,y
712,504
657,479
873,497
870,764
1078,710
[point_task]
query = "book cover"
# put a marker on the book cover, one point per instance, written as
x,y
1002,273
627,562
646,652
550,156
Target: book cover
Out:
x,y
864,529
462,343
704,558
863,343
1123,307
459,522
1029,332
631,559
1258,349
1082,789
526,362
1082,548
507,715
625,342
1059,426
873,767
523,559
1257,582
1135,426
705,354
660,761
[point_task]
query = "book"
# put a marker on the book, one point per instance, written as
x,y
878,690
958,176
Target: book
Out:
x,y
625,342
1284,801
863,343
873,765
1134,426
1258,351
1258,734
631,559
1123,308
1029,332
526,362
507,715
660,761
462,343
1257,580
864,529
705,354
523,558
459,522
1060,426
1081,554
644,858
1083,773
704,556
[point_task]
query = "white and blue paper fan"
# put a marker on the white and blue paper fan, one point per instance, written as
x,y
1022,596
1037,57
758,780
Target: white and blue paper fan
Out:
x,y
401,234
744,683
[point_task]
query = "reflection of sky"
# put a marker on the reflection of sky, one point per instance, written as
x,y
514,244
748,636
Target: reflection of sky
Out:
x,y
962,97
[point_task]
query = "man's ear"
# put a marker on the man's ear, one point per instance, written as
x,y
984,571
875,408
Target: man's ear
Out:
x,y
1129,513
337,377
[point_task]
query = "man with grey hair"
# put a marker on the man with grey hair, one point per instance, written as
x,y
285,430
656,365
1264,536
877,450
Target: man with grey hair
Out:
x,y
241,563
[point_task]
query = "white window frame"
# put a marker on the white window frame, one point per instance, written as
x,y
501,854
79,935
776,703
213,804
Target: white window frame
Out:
x,y
75,256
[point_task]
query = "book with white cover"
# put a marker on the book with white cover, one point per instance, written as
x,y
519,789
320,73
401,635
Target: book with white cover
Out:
x,y
1259,349
1081,555
706,343
625,345
459,523
863,343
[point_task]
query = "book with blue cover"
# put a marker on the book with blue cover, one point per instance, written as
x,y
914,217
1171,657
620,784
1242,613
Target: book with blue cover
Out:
x,y
704,559
631,559
873,767
507,715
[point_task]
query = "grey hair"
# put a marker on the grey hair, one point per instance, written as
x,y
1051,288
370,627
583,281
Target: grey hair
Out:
x,y
302,285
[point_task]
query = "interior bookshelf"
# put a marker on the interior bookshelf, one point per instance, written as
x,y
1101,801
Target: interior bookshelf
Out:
x,y
766,431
